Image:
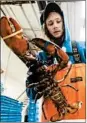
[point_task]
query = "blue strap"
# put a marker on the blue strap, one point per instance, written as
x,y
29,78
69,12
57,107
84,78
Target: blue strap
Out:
x,y
32,109
76,54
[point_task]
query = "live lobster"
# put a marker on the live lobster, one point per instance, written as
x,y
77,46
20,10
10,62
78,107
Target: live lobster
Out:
x,y
45,85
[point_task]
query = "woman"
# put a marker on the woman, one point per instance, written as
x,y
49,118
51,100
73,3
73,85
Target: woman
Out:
x,y
53,23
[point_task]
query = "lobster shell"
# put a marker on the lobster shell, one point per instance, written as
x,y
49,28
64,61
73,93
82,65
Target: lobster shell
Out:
x,y
72,96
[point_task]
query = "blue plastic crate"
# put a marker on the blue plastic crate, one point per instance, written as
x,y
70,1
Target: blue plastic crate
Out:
x,y
5,110
10,109
8,100
10,113
10,118
3,101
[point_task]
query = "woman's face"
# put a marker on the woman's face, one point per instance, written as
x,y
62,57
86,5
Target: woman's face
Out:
x,y
54,24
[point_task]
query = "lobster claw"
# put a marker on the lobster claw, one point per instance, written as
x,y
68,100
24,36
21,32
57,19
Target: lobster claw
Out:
x,y
12,34
6,26
52,49
44,45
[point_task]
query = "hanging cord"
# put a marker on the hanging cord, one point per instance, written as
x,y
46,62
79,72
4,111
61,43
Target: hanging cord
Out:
x,y
21,95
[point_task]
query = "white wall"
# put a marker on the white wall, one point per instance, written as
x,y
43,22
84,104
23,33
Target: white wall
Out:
x,y
14,75
75,17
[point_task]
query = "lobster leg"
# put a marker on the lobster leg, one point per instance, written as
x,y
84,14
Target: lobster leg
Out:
x,y
73,108
69,109
43,110
38,95
57,117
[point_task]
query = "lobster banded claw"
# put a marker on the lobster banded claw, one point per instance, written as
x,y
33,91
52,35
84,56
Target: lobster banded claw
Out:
x,y
12,34
13,39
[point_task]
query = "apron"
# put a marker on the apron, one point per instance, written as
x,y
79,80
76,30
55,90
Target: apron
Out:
x,y
76,78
